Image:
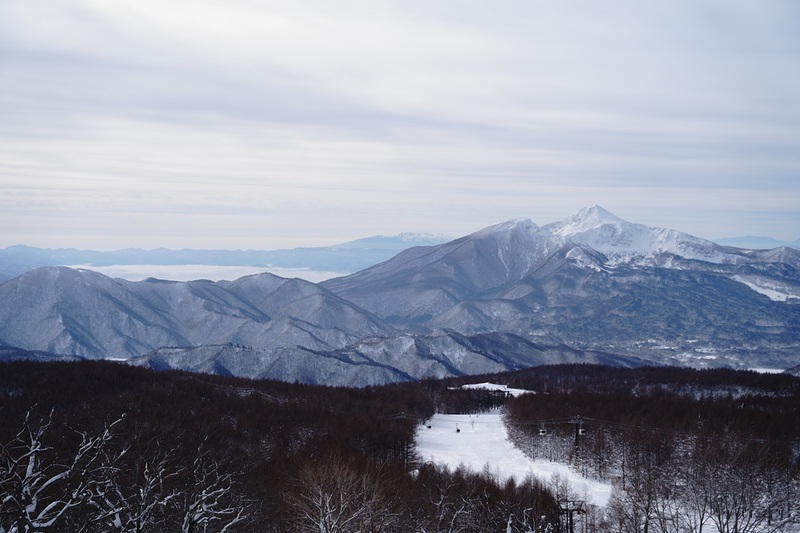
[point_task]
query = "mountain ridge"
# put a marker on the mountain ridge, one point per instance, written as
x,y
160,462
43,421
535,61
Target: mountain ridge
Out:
x,y
507,295
85,313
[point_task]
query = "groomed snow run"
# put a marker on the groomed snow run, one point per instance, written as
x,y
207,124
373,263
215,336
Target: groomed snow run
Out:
x,y
482,440
495,387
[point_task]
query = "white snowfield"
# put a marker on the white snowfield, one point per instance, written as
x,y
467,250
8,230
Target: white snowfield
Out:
x,y
775,291
497,388
482,441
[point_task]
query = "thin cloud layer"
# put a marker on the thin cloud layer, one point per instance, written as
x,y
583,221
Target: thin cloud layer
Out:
x,y
259,125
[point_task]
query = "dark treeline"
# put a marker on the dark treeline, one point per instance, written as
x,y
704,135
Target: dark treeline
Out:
x,y
676,380
685,449
104,447
99,446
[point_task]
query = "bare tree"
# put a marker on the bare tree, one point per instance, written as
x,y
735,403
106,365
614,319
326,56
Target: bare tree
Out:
x,y
454,509
208,502
337,496
695,494
739,499
40,484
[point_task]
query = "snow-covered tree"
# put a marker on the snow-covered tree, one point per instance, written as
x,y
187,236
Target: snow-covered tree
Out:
x,y
208,502
134,499
41,482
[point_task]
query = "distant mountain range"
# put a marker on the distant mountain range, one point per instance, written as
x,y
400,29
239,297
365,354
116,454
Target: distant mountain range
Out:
x,y
590,288
757,243
344,258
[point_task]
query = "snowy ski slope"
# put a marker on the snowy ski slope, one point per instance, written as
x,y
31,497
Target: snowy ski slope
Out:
x,y
481,439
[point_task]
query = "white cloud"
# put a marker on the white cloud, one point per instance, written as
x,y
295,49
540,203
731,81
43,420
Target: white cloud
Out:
x,y
292,123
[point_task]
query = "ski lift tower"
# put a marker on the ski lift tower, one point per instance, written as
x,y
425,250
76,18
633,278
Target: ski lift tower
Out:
x,y
577,421
570,508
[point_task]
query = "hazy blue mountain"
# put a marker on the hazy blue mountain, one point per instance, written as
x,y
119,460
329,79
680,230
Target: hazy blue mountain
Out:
x,y
346,257
757,243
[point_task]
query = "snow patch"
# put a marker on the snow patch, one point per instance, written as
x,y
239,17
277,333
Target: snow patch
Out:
x,y
769,370
496,387
777,292
582,259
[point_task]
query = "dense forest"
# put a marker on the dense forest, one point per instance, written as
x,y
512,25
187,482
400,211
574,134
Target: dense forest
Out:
x,y
687,450
100,446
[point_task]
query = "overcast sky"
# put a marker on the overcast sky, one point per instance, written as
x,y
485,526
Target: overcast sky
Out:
x,y
253,124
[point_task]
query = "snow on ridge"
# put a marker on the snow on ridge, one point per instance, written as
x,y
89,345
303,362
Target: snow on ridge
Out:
x,y
627,242
480,442
582,259
620,241
508,225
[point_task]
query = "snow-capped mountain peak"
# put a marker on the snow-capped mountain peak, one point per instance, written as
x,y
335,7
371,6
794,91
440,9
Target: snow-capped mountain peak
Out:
x,y
626,242
587,218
